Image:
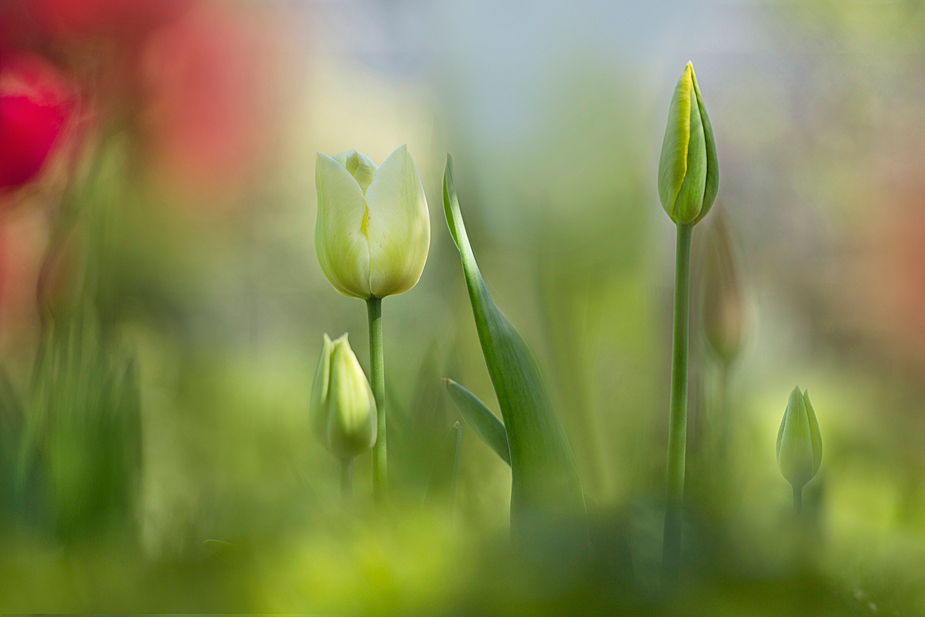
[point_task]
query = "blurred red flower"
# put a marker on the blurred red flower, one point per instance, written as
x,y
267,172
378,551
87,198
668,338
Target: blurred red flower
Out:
x,y
35,104
206,81
125,19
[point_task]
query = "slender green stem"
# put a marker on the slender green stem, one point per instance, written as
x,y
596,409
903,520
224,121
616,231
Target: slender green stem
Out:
x,y
677,421
797,499
377,382
346,479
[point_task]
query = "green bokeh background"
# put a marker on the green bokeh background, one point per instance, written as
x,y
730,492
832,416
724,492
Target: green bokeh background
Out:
x,y
554,117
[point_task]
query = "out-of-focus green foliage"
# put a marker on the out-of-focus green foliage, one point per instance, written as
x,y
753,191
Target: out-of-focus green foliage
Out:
x,y
82,439
12,418
446,469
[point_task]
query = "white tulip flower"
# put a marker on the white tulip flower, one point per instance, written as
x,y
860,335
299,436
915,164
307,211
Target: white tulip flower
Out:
x,y
372,233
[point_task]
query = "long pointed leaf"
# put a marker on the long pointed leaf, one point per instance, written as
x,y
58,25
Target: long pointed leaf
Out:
x,y
480,419
544,477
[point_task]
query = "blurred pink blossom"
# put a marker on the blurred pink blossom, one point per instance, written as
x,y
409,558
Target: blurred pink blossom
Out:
x,y
206,80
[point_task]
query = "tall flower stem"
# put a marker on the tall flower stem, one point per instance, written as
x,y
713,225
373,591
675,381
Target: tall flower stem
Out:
x,y
377,383
797,499
677,421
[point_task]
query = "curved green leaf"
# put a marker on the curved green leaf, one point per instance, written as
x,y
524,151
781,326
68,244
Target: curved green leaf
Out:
x,y
480,419
544,476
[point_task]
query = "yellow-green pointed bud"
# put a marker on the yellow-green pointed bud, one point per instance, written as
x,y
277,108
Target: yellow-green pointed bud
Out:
x,y
725,316
688,171
372,232
799,445
342,411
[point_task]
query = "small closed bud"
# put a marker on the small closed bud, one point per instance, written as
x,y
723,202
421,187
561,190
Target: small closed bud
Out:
x,y
342,411
799,445
372,233
725,316
688,170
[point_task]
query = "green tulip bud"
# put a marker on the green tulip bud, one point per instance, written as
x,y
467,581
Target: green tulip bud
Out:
x,y
688,170
372,233
799,445
725,318
342,411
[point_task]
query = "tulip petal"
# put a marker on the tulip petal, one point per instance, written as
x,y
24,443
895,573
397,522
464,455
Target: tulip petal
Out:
x,y
318,413
341,241
399,226
360,166
352,424
711,188
690,198
672,164
814,433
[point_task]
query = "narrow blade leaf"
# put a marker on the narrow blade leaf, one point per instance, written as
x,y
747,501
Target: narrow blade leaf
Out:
x,y
480,419
544,477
